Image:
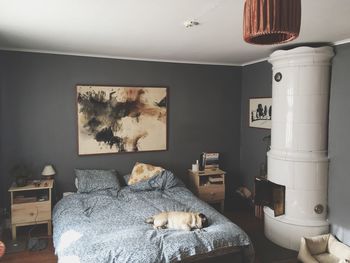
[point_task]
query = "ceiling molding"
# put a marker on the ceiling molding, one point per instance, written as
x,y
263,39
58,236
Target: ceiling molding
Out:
x,y
253,62
121,58
337,43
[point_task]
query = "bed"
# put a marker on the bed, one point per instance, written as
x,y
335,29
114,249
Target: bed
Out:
x,y
109,226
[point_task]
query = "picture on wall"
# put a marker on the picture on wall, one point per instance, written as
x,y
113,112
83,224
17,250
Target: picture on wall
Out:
x,y
260,113
121,119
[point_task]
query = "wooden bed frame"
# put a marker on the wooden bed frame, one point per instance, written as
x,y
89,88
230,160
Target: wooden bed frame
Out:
x,y
222,255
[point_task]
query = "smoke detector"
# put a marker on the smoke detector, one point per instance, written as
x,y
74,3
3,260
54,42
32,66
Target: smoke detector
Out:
x,y
190,23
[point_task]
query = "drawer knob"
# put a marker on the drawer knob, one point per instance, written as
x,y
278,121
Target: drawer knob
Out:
x,y
212,193
31,214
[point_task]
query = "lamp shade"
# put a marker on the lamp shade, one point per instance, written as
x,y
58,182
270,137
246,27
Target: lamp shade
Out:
x,y
48,170
267,22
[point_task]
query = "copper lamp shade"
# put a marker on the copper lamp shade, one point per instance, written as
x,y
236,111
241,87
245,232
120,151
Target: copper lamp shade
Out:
x,y
267,22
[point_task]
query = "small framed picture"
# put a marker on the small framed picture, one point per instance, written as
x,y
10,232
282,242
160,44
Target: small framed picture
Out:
x,y
260,113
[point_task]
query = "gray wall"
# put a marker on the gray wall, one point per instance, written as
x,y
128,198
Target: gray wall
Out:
x,y
256,82
339,145
207,103
38,113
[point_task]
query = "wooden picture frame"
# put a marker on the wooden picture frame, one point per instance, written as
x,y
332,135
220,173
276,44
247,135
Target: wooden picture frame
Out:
x,y
121,119
260,113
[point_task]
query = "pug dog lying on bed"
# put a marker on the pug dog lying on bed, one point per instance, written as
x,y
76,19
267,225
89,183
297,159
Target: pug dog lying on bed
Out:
x,y
178,220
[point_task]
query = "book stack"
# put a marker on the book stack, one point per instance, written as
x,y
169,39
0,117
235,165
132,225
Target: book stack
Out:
x,y
216,179
211,160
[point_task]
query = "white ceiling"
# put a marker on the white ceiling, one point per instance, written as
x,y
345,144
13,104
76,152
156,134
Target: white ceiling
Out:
x,y
153,29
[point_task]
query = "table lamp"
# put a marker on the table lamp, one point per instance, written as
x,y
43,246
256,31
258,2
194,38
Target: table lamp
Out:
x,y
48,172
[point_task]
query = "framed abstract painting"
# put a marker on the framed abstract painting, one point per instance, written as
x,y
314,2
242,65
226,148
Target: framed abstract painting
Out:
x,y
260,113
121,119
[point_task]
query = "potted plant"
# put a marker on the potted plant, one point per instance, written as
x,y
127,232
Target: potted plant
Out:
x,y
21,173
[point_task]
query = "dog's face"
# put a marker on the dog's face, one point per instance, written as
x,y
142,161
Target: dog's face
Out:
x,y
204,220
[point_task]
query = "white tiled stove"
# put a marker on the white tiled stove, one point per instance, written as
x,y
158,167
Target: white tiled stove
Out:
x,y
298,157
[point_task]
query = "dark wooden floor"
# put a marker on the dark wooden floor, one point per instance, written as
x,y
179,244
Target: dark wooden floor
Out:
x,y
244,219
46,256
265,250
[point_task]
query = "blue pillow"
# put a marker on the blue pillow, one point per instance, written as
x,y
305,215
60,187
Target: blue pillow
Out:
x,y
162,181
96,180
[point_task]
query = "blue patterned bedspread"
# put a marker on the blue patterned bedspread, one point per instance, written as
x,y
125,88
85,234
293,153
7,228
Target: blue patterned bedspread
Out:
x,y
108,226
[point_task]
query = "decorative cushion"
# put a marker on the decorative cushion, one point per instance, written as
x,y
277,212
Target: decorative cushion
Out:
x,y
95,180
142,172
304,253
164,180
318,244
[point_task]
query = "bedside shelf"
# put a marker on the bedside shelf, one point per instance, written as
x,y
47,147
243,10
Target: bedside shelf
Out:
x,y
44,184
209,185
27,208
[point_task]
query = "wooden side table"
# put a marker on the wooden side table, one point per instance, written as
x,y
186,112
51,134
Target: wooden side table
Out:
x,y
209,185
31,205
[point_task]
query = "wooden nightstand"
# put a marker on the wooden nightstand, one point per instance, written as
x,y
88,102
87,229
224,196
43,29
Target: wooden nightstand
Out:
x,y
209,185
31,205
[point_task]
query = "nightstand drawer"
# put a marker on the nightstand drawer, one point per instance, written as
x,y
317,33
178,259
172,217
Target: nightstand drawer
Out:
x,y
211,188
212,196
209,185
31,212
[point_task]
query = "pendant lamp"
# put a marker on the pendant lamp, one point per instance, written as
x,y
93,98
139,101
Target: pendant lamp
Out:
x,y
267,22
